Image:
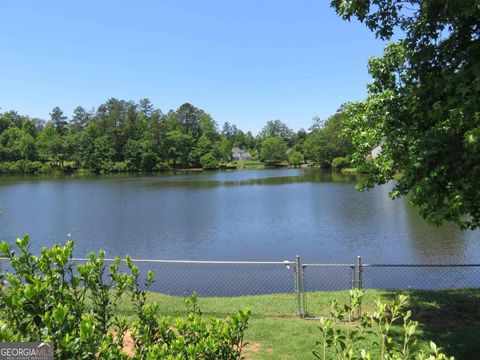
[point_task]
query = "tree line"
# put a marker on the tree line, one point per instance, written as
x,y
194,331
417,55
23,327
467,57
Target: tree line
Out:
x,y
121,136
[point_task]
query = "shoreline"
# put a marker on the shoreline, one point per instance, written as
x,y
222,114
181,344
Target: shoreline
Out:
x,y
35,168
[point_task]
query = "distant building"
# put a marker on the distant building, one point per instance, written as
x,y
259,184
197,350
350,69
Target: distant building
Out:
x,y
239,154
376,150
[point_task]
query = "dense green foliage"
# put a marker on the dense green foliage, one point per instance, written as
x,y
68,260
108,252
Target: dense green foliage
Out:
x,y
274,150
326,142
295,158
118,136
423,106
122,136
340,163
49,298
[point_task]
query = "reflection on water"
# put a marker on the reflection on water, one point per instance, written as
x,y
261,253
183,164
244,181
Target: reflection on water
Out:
x,y
252,215
450,244
270,177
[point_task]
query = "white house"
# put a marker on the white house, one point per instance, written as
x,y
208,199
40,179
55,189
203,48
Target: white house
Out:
x,y
239,154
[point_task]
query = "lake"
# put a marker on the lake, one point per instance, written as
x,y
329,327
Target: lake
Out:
x,y
241,215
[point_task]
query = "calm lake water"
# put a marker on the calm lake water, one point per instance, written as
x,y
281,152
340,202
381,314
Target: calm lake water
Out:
x,y
242,215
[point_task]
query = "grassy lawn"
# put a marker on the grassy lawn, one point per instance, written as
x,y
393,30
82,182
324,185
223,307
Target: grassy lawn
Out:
x,y
450,318
247,164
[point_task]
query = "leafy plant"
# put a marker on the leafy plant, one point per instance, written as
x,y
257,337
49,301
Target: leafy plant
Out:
x,y
347,311
295,158
345,343
340,163
50,298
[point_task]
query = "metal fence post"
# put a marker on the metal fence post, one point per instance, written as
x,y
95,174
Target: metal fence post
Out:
x,y
304,295
352,273
298,287
359,282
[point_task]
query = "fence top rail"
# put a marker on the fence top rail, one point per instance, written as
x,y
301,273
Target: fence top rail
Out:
x,y
219,262
329,265
420,265
285,262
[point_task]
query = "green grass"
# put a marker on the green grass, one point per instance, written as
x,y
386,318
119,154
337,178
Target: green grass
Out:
x,y
351,171
450,318
247,164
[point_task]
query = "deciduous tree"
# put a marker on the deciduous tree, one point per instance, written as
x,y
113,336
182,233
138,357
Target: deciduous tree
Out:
x,y
423,106
273,150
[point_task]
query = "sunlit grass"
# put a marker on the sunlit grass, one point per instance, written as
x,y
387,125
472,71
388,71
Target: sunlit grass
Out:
x,y
275,332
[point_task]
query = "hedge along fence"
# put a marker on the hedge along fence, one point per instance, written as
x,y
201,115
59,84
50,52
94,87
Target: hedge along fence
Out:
x,y
49,298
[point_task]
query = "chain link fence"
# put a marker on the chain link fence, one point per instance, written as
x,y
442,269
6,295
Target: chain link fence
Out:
x,y
420,277
306,290
321,278
223,287
447,293
440,291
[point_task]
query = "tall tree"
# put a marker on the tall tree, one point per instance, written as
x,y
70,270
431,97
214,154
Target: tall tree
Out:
x,y
146,107
227,131
275,128
16,144
423,106
317,124
59,120
189,116
6,120
80,118
326,142
177,147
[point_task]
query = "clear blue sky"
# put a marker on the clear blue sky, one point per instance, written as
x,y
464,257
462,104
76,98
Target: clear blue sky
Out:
x,y
245,62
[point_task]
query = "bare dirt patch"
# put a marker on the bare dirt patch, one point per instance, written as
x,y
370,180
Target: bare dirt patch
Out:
x,y
128,345
251,348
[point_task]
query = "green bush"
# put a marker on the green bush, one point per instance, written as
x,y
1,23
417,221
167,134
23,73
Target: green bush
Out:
x,y
106,166
46,168
120,166
51,299
161,166
340,163
339,342
295,158
209,161
20,167
273,150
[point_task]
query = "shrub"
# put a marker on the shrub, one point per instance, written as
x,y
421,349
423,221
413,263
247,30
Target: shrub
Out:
x,y
105,166
345,342
49,298
209,161
120,166
162,165
20,167
295,158
340,163
45,168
